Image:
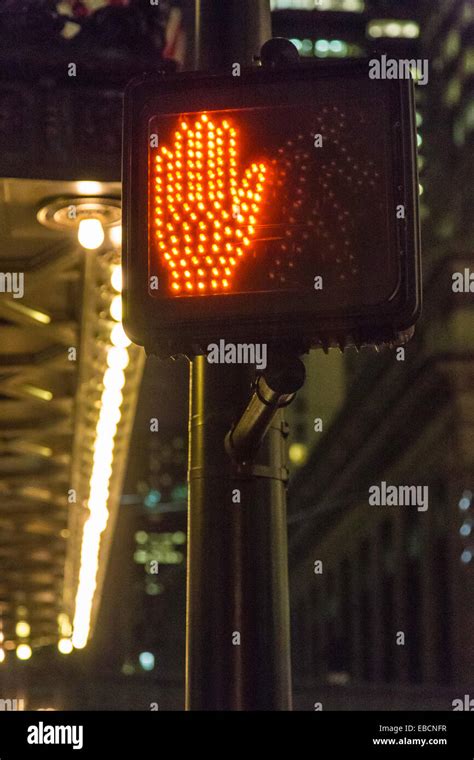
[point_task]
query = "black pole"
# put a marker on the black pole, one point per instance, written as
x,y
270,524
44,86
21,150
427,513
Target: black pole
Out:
x,y
237,623
238,644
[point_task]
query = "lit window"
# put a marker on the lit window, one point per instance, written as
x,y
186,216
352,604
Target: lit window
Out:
x,y
393,28
452,93
351,6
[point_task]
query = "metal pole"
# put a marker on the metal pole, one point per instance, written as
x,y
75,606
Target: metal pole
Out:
x,y
237,621
238,643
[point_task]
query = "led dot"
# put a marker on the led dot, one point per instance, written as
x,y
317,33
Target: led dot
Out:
x,y
201,285
213,284
189,285
225,283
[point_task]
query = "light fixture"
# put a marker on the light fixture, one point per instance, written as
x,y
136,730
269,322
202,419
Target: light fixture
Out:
x,y
116,308
112,398
90,233
119,337
22,629
86,216
116,278
65,646
23,652
116,235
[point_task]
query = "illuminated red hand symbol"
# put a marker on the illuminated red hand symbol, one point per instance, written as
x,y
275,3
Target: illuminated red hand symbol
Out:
x,y
203,217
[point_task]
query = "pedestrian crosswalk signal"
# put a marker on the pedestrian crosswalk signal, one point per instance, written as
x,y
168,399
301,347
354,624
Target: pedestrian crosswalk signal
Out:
x,y
279,207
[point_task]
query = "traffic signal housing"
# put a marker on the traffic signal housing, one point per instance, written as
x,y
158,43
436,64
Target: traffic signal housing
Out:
x,y
277,206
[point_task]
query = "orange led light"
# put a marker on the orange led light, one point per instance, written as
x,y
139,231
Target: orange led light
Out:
x,y
197,181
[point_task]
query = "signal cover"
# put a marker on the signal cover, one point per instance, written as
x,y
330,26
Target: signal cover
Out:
x,y
278,206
